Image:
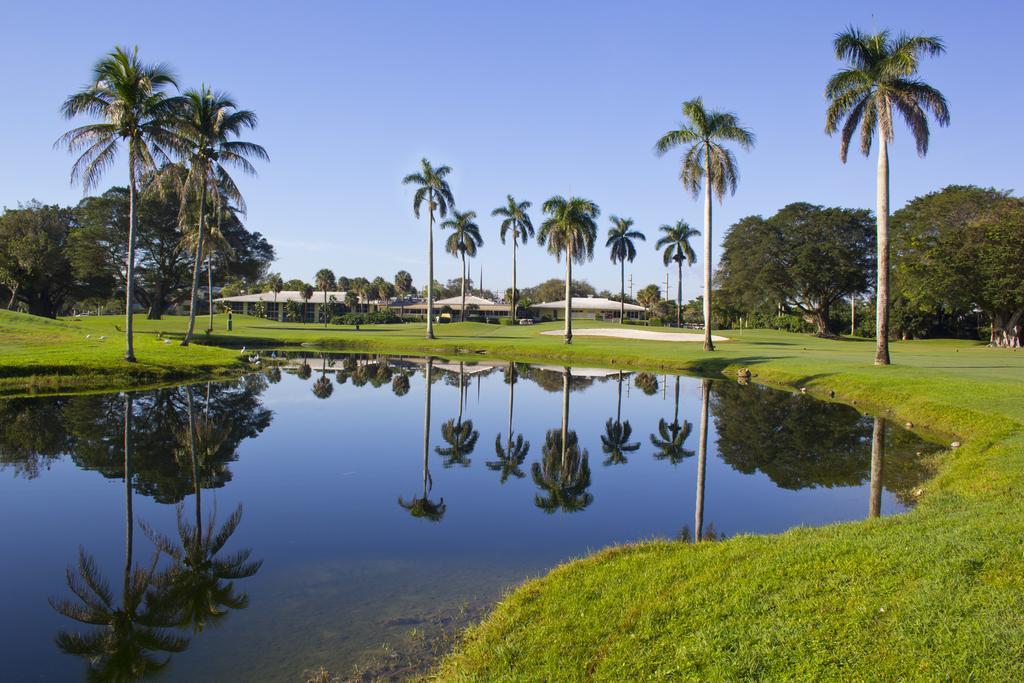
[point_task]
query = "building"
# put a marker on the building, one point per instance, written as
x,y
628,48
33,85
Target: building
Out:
x,y
475,306
589,307
245,304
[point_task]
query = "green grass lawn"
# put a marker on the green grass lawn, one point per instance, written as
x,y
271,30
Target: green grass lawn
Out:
x,y
937,593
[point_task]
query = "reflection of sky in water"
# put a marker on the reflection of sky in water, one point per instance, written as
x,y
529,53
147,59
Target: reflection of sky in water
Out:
x,y
345,567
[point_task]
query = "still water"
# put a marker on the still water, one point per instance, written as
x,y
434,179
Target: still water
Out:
x,y
340,511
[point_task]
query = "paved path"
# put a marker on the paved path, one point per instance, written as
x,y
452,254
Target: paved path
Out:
x,y
626,333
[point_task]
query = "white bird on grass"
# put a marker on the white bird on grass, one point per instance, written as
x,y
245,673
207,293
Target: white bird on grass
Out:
x,y
242,351
103,338
88,336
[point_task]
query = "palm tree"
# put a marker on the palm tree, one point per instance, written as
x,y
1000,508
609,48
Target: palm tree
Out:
x,y
571,228
325,282
209,124
703,133
132,631
676,245
461,439
306,294
215,240
322,387
881,75
516,223
464,241
564,471
276,285
422,506
672,436
615,442
430,186
620,240
130,99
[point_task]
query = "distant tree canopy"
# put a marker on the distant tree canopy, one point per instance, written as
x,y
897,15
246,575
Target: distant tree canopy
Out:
x,y
554,290
52,257
954,251
805,258
34,265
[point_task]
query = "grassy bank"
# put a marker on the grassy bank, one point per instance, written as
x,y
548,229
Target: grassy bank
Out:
x,y
39,356
936,593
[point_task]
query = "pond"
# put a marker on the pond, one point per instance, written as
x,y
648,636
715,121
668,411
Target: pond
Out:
x,y
345,512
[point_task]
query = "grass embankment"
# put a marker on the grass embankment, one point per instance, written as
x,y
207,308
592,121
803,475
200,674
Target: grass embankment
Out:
x,y
38,355
936,593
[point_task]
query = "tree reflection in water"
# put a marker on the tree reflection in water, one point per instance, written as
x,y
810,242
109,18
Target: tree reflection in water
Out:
x,y
615,442
422,506
512,455
672,436
563,475
460,436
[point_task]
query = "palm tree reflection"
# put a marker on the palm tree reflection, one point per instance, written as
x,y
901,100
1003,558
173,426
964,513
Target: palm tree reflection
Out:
x,y
877,463
512,455
422,506
702,447
671,436
131,634
563,475
460,436
615,442
322,387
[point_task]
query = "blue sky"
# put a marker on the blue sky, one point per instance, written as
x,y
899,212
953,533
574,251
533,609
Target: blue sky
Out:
x,y
532,98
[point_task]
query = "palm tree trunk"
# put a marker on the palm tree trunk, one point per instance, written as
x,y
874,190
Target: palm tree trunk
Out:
x,y
129,525
462,313
514,297
708,346
461,391
882,287
323,308
618,406
679,294
877,460
129,295
853,314
622,298
568,296
430,267
565,420
195,465
675,414
702,457
198,263
209,288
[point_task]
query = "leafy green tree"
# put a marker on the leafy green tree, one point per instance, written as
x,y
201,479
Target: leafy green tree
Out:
x,y
209,124
706,158
554,289
464,241
34,259
129,99
325,282
620,241
569,230
675,246
881,76
431,187
517,224
805,258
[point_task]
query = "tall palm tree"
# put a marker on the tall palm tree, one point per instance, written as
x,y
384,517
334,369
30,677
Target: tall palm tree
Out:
x,y
706,158
675,243
464,241
306,293
431,187
130,99
215,240
880,76
422,506
671,437
132,631
325,282
516,222
620,241
209,125
570,229
564,471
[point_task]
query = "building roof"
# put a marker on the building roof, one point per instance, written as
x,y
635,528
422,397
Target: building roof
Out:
x,y
471,300
589,303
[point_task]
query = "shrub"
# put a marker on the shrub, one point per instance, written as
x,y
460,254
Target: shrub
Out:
x,y
505,321
654,322
375,318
